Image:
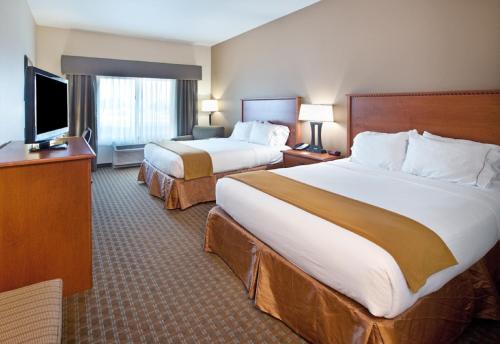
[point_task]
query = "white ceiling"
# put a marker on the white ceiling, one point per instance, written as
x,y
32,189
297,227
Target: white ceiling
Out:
x,y
204,22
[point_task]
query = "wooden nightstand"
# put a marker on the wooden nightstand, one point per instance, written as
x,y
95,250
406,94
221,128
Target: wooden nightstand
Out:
x,y
295,158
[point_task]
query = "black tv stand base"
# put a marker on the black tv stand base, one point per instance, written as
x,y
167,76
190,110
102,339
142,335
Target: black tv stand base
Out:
x,y
56,144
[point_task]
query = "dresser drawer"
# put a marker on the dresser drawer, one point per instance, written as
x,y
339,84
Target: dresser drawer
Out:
x,y
291,160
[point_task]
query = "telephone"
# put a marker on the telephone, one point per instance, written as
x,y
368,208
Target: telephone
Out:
x,y
301,146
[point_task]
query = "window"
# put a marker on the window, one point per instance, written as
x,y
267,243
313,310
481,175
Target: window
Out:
x,y
135,110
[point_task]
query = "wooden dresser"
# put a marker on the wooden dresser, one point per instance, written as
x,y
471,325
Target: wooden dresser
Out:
x,y
46,216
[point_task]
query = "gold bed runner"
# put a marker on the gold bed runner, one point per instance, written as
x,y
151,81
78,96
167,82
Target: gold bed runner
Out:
x,y
417,250
197,162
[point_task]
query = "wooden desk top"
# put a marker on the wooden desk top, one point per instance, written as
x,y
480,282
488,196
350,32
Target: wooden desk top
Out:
x,y
17,153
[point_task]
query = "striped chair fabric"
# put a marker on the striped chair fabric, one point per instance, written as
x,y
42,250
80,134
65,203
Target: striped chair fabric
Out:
x,y
32,314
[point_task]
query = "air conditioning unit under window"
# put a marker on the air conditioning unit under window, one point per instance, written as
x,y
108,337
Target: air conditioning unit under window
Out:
x,y
127,155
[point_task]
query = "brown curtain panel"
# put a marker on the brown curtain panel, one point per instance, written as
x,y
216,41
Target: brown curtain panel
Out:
x,y
187,106
82,90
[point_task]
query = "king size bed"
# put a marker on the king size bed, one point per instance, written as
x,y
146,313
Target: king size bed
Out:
x,y
334,285
168,176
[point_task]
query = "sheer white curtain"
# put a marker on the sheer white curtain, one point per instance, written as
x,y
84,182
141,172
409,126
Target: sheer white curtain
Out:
x,y
135,110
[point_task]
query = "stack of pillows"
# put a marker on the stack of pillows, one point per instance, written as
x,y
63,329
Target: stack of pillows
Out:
x,y
263,133
452,160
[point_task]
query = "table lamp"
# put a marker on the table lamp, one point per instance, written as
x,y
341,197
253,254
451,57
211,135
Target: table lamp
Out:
x,y
316,114
211,106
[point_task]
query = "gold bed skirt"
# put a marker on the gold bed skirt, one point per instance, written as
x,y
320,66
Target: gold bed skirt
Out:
x,y
182,194
323,315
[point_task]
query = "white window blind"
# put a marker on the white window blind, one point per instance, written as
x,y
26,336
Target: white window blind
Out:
x,y
135,110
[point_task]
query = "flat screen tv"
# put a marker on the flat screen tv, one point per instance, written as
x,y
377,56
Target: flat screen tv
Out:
x,y
46,106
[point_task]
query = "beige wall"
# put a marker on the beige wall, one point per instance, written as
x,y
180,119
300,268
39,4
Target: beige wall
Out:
x,y
52,43
341,46
17,38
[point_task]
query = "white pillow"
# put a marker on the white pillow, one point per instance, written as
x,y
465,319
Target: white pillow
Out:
x,y
261,133
449,161
491,170
241,131
380,149
279,135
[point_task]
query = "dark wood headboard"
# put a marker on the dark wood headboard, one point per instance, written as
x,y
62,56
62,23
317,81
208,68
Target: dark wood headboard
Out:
x,y
472,115
283,111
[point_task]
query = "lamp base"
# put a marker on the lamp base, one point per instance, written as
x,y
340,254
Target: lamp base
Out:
x,y
316,145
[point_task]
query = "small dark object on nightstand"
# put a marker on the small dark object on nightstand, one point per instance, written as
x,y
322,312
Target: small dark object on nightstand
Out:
x,y
334,153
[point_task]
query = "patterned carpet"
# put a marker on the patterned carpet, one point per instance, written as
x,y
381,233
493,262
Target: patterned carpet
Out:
x,y
154,284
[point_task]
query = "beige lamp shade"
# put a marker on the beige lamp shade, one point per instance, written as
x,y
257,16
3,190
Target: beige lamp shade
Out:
x,y
209,105
316,113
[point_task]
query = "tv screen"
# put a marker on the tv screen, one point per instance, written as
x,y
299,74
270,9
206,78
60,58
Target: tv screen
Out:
x,y
46,105
51,106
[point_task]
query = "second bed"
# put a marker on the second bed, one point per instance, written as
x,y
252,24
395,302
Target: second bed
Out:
x,y
163,172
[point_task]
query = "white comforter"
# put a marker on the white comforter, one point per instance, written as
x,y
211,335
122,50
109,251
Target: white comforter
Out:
x,y
466,218
226,154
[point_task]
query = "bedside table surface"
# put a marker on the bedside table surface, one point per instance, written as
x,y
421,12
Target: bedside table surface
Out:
x,y
311,155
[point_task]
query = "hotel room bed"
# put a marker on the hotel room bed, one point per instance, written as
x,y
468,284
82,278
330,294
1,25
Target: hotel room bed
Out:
x,y
227,155
163,171
466,218
333,286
